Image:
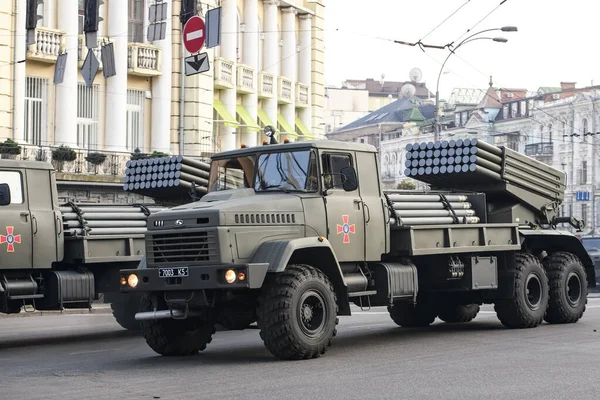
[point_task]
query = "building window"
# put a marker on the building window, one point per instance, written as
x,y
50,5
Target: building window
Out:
x,y
523,107
583,173
36,100
505,114
136,21
512,142
87,116
135,120
550,133
585,126
81,16
584,209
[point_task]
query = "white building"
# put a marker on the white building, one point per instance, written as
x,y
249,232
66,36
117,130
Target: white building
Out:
x,y
268,70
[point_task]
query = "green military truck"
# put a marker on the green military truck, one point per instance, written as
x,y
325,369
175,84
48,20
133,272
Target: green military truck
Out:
x,y
56,256
290,235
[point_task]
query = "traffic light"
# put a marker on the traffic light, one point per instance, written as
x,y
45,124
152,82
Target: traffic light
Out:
x,y
189,8
31,19
91,16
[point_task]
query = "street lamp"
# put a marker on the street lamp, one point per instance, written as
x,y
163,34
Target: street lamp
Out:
x,y
465,41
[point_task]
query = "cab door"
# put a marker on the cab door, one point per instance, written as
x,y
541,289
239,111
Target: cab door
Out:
x,y
15,223
345,218
43,218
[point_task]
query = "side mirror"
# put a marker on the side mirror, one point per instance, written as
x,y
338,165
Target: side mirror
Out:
x,y
4,194
349,175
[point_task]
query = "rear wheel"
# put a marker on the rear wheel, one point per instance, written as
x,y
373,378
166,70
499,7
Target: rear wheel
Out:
x,y
530,302
177,337
410,315
297,313
458,313
568,288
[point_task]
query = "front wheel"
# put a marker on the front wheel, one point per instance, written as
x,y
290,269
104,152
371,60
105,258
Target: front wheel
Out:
x,y
568,288
530,302
176,337
297,313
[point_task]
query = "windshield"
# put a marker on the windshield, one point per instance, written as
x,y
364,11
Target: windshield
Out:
x,y
233,173
287,171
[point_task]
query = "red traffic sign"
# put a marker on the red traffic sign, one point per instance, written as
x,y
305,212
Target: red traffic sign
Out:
x,y
194,34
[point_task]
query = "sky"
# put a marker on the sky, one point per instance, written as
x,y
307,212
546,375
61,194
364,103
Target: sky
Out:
x,y
557,41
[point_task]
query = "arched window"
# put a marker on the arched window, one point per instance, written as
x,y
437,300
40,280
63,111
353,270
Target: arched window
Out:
x,y
584,123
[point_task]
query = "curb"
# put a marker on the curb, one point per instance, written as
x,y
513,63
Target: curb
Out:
x,y
97,309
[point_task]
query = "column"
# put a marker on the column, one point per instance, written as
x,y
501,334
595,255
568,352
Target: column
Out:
x,y
305,65
115,137
65,124
160,139
271,54
50,14
250,56
228,52
289,59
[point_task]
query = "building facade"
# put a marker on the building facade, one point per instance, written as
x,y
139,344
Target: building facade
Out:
x,y
267,70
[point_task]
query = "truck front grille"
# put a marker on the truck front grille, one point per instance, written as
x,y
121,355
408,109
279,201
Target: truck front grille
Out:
x,y
183,247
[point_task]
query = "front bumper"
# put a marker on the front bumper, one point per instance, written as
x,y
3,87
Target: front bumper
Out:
x,y
199,278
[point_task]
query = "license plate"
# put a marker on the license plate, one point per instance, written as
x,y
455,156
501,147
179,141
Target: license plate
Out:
x,y
172,272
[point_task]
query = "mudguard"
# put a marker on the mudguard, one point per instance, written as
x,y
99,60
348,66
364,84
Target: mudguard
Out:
x,y
313,251
553,241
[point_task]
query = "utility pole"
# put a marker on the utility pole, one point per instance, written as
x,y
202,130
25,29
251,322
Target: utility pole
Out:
x,y
593,136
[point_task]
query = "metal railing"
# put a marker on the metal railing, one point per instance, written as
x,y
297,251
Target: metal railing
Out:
x,y
302,93
83,50
539,149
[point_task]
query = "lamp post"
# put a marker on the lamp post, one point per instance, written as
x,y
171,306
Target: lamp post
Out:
x,y
465,41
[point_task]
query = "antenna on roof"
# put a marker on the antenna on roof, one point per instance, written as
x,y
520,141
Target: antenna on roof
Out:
x,y
408,90
415,74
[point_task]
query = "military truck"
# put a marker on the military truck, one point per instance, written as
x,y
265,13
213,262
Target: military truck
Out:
x,y
55,256
308,231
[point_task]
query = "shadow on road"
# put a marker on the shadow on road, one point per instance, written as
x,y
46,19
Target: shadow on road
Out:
x,y
65,339
255,353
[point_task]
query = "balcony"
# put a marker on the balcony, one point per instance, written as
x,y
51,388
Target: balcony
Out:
x,y
82,50
266,85
302,95
143,59
539,149
246,81
284,90
223,73
114,164
49,43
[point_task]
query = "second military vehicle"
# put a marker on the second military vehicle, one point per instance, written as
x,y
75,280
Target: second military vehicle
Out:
x,y
290,235
55,256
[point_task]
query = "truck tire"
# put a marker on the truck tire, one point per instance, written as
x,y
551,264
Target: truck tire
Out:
x,y
458,313
407,315
297,313
236,317
176,337
124,309
568,288
530,302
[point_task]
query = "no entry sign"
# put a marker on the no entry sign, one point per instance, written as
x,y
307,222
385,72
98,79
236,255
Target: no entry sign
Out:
x,y
194,34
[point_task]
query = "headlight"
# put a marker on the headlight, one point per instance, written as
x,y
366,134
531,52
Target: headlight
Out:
x,y
230,276
132,280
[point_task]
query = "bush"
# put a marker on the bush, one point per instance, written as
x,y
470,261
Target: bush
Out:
x,y
95,158
406,185
64,154
10,147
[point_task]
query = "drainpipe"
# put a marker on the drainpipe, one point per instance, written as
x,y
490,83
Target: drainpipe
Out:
x,y
15,61
182,100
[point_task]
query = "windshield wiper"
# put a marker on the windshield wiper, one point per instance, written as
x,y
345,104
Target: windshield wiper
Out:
x,y
263,187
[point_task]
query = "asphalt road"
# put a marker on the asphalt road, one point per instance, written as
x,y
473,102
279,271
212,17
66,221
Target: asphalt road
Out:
x,y
91,357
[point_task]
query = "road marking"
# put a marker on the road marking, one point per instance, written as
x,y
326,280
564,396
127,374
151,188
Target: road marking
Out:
x,y
194,35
